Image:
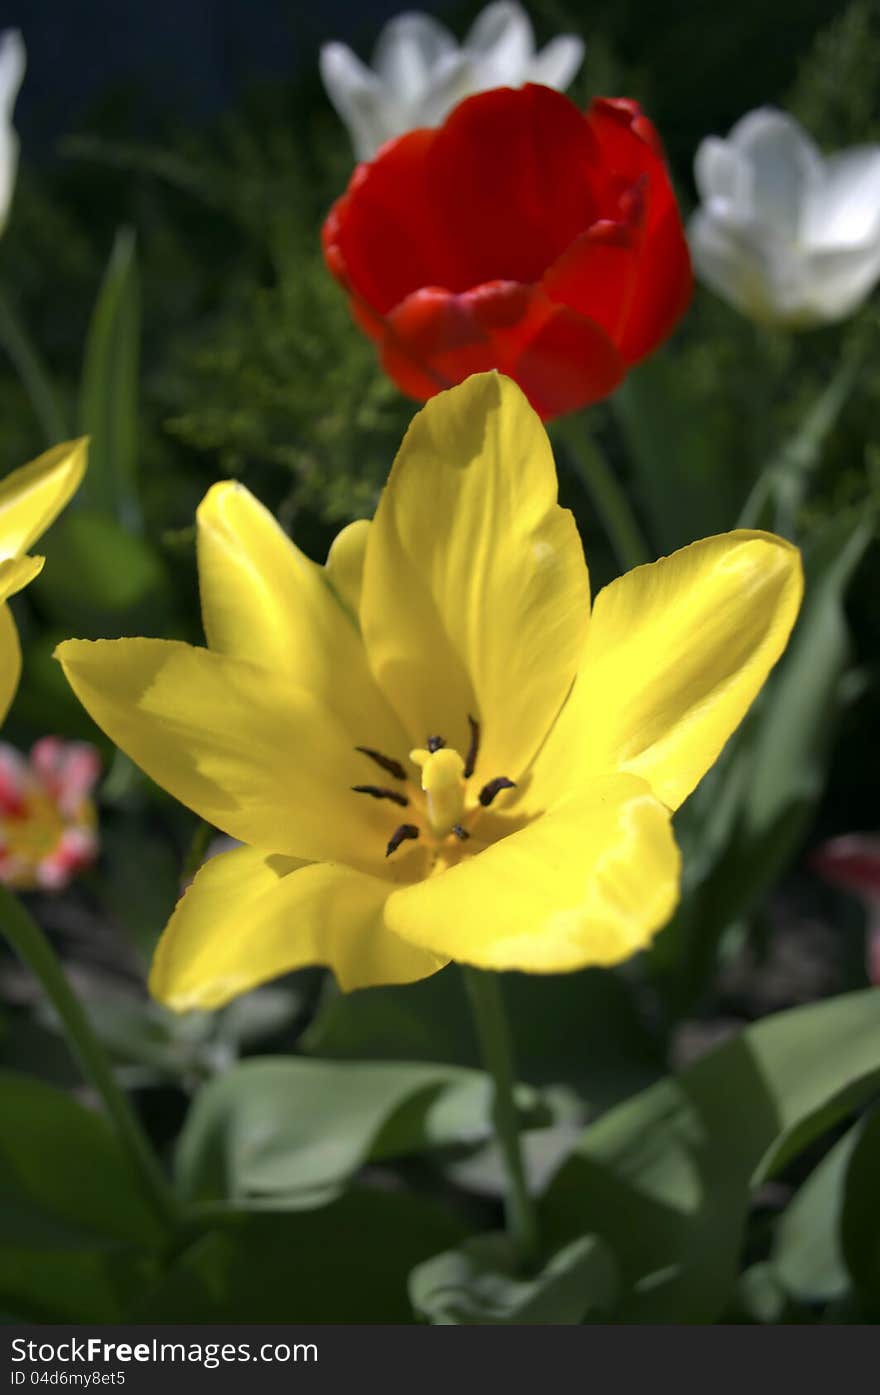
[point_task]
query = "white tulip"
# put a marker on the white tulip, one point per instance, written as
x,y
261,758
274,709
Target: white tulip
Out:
x,y
419,72
12,64
787,236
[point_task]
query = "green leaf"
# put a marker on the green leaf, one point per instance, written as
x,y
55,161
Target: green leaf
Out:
x,y
666,1178
100,571
579,1028
108,399
477,1284
76,1233
343,1263
807,1259
688,493
295,1131
860,1221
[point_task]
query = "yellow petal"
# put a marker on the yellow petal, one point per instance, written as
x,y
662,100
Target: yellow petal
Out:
x,y
253,754
264,601
248,918
588,883
31,497
475,594
675,655
345,563
10,660
17,572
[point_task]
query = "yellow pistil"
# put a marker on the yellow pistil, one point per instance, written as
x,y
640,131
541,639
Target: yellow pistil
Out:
x,y
443,784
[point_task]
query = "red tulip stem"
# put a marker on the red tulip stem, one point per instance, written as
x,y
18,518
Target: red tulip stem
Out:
x,y
606,491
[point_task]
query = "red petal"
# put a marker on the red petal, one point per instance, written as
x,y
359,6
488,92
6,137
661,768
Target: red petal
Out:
x,y
380,239
510,179
632,156
597,275
560,360
663,288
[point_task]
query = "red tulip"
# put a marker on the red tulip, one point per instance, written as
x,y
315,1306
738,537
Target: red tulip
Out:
x,y
522,235
853,862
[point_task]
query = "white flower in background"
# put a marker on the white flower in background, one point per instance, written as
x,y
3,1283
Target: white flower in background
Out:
x,y
785,235
12,64
419,71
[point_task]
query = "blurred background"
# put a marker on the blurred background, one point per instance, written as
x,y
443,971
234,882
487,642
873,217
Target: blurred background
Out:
x,y
161,286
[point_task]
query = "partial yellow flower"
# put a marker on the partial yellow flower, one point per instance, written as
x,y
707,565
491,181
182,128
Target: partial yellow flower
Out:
x,y
430,747
30,499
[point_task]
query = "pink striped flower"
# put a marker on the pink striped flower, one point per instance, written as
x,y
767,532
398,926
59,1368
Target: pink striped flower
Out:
x,y
48,824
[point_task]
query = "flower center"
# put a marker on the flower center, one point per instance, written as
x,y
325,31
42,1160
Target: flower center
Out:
x,y
444,775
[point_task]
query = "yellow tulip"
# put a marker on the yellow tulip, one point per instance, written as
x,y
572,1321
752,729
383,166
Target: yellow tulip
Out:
x,y
30,499
431,748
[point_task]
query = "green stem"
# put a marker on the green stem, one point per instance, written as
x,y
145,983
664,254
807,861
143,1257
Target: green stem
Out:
x,y
34,950
484,991
34,378
607,493
198,847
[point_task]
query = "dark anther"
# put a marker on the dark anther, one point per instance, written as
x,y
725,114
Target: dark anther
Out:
x,y
400,835
488,792
461,833
474,747
435,743
392,766
379,793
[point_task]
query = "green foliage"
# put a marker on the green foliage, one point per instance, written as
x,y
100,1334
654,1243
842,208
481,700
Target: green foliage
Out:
x,y
479,1284
171,299
666,1178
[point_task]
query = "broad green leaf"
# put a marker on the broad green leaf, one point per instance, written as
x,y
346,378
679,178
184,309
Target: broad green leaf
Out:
x,y
678,459
478,1284
342,1263
108,399
666,1177
295,1131
75,1232
860,1221
807,1259
102,576
579,1028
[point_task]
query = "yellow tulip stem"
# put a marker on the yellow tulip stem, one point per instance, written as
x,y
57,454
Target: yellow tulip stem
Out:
x,y
35,951
484,991
607,493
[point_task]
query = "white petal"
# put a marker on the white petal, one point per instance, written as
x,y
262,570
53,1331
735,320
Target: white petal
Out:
x,y
454,79
785,167
407,51
845,210
758,274
721,173
558,62
360,99
502,43
840,281
12,65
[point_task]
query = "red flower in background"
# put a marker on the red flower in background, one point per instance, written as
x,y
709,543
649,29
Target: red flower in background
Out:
x,y
853,862
48,824
522,235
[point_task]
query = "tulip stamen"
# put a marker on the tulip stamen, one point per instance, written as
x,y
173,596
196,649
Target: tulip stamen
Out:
x,y
393,767
473,749
489,791
460,832
400,835
435,743
379,792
